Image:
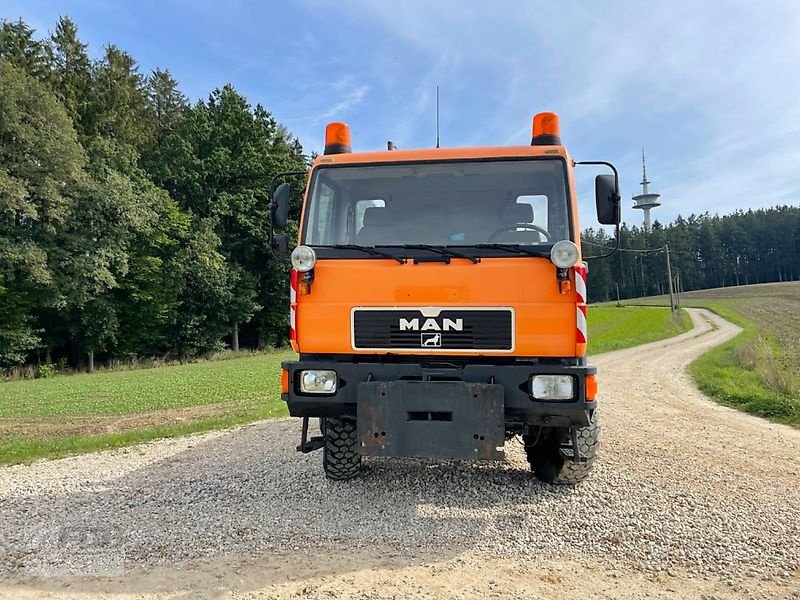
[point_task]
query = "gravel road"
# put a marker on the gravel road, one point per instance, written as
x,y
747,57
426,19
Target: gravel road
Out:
x,y
688,498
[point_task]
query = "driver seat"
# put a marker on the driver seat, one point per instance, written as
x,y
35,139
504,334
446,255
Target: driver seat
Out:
x,y
379,228
512,214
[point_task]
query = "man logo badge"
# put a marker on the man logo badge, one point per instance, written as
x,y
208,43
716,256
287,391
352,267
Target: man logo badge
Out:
x,y
430,340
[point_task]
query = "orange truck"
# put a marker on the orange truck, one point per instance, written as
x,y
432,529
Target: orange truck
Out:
x,y
438,304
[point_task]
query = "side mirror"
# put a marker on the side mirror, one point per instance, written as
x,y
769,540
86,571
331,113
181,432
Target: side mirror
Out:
x,y
607,200
280,206
280,244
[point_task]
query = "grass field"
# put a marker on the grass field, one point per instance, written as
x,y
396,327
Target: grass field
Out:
x,y
68,414
758,371
75,413
614,328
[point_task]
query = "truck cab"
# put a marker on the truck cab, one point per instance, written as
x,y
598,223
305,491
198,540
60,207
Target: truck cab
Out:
x,y
438,305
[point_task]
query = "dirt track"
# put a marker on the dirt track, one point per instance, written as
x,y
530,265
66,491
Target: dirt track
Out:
x,y
689,498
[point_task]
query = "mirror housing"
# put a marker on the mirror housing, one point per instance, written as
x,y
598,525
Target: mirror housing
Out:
x,y
607,200
280,206
280,244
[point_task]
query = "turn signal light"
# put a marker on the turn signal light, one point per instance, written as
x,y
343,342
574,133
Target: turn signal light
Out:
x,y
337,138
546,130
284,381
591,387
304,288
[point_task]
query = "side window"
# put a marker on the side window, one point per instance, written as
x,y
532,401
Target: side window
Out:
x,y
323,216
539,206
361,208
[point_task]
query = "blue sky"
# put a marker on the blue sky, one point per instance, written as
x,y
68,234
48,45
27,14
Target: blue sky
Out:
x,y
710,89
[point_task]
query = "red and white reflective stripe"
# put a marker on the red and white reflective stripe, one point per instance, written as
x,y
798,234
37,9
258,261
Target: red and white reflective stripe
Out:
x,y
293,306
581,329
580,282
580,324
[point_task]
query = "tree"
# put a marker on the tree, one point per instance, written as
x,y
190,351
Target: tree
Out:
x,y
148,296
98,238
71,71
166,101
41,173
222,156
203,278
21,49
118,108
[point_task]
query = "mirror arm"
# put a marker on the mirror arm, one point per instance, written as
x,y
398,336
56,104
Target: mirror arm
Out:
x,y
610,166
611,252
617,198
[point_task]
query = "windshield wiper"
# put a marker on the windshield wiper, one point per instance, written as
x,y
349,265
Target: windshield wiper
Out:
x,y
443,250
514,249
367,249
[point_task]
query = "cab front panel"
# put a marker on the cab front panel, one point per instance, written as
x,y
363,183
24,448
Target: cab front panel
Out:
x,y
514,306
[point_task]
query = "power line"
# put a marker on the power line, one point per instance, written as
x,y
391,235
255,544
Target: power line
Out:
x,y
665,249
633,250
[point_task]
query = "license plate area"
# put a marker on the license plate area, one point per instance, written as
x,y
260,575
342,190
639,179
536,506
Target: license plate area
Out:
x,y
431,419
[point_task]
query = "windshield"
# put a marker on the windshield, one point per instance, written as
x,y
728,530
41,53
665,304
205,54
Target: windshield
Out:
x,y
512,202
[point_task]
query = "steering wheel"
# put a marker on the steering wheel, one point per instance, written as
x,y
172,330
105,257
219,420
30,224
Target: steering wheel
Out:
x,y
525,226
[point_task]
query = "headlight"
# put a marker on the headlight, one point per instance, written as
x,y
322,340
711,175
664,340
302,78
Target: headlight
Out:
x,y
564,254
553,387
318,382
303,258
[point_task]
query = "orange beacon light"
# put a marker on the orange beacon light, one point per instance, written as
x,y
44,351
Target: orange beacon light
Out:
x,y
337,138
546,131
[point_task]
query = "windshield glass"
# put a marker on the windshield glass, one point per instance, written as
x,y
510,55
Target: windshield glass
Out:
x,y
516,202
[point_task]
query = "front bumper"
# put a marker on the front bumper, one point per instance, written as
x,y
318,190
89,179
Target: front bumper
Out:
x,y
510,382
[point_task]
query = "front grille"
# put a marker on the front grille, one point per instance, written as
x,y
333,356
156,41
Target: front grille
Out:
x,y
449,330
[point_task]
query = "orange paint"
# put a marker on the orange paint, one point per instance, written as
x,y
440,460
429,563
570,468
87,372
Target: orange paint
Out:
x,y
544,323
545,313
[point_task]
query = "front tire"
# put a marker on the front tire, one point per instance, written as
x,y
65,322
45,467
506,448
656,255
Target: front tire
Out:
x,y
550,455
340,458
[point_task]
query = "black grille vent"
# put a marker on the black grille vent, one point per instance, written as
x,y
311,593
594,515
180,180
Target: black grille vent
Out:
x,y
456,329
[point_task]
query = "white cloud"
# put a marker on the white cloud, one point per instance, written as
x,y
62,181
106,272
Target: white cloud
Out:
x,y
351,99
710,89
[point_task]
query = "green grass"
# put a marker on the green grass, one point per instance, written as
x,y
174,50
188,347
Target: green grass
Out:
x,y
757,371
615,328
120,392
80,413
70,414
25,449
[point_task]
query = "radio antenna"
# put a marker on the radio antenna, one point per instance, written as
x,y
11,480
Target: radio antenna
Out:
x,y
437,116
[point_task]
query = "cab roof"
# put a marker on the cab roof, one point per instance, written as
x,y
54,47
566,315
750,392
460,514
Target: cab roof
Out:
x,y
434,154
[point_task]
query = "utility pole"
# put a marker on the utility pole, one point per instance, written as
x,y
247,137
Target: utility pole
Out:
x,y
641,272
617,286
669,278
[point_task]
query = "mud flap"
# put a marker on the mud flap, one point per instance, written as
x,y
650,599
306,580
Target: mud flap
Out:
x,y
432,419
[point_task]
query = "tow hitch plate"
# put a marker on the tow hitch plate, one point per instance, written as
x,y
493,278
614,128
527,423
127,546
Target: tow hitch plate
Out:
x,y
433,419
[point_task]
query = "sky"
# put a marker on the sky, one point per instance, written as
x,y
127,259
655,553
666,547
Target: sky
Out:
x,y
709,89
